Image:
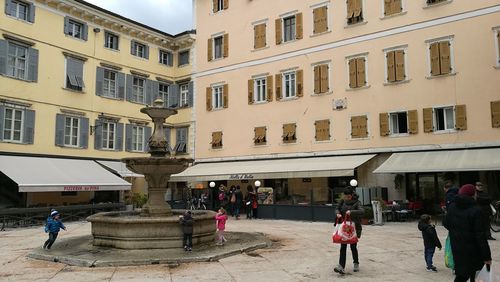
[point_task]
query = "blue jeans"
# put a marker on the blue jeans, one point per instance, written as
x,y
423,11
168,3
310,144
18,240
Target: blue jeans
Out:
x,y
428,254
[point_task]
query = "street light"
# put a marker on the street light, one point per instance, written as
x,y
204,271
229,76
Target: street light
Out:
x,y
257,183
353,183
211,184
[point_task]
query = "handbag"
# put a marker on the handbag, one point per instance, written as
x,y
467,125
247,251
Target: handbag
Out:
x,y
345,232
233,199
448,255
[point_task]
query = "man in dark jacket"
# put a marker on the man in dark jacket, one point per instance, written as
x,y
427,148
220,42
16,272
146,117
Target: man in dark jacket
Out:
x,y
469,244
238,196
484,201
187,230
349,206
450,193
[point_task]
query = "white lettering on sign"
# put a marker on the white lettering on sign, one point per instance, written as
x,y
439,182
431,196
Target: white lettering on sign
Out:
x,y
81,188
240,176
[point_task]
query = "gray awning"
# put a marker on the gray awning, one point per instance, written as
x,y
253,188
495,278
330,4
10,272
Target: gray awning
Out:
x,y
120,168
440,161
272,169
58,175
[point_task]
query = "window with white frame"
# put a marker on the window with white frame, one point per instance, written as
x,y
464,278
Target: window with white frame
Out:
x,y
289,84
13,124
19,9
109,84
138,138
184,94
441,56
218,6
217,97
260,85
166,58
398,123
75,29
218,47
110,40
163,92
138,90
138,49
289,28
108,135
17,61
71,129
444,118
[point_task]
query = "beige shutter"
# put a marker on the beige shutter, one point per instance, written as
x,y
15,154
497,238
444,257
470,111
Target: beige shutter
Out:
x,y
498,39
269,90
397,6
352,73
350,8
226,45
209,98
289,133
358,7
320,19
384,124
226,95
256,36
434,53
428,120
399,60
209,49
355,126
278,86
216,139
316,15
322,130
226,4
214,6
260,36
363,127
250,91
260,135
391,66
360,72
300,83
460,117
495,114
278,31
298,26
388,7
325,85
317,80
263,36
444,54
413,121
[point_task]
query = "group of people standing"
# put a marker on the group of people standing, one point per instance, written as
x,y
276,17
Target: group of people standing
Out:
x,y
233,201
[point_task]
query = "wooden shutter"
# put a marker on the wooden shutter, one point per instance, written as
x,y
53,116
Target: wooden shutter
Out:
x,y
444,55
434,53
269,90
278,31
298,26
260,135
263,40
413,121
350,8
388,7
317,80
399,60
225,95
300,83
214,6
360,72
320,16
352,73
384,124
260,36
226,45
316,15
278,86
460,117
356,123
495,114
363,126
428,120
250,91
358,7
289,133
209,49
397,6
256,36
209,98
226,4
391,68
322,130
325,85
498,44
216,139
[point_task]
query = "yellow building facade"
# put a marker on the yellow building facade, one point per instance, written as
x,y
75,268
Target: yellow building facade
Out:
x,y
309,82
73,78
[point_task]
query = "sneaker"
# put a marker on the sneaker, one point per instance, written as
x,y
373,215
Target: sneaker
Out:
x,y
339,269
356,267
432,269
190,249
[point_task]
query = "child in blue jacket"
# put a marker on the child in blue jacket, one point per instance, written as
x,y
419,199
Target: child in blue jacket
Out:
x,y
52,227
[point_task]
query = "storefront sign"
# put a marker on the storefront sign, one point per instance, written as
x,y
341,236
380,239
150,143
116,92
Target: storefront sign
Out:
x,y
240,176
81,188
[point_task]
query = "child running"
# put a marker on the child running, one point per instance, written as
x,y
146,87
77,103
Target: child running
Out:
x,y
431,240
221,218
52,227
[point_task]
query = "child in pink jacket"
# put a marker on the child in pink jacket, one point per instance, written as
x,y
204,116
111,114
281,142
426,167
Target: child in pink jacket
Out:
x,y
221,218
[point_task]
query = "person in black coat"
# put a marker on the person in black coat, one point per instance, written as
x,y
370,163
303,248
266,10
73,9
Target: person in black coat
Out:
x,y
450,193
187,223
469,244
431,240
349,206
484,201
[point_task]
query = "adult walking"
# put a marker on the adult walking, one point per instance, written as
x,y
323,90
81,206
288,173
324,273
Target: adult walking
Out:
x,y
349,206
251,202
238,196
484,203
468,239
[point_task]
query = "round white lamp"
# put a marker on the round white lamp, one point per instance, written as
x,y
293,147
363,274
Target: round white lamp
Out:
x,y
353,183
257,183
211,184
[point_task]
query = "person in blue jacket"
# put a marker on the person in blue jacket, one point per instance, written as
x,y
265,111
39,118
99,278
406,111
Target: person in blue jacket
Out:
x,y
52,227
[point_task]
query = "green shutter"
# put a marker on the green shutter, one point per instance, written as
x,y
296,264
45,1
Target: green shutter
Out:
x,y
98,134
119,137
59,136
29,127
32,64
84,133
3,55
129,87
2,119
128,137
120,79
190,94
147,135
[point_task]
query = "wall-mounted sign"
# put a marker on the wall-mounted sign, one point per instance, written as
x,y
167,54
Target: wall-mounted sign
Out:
x,y
81,188
240,176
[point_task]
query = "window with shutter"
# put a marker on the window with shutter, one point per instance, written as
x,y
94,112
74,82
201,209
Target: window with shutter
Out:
x,y
278,31
226,45
259,36
495,114
110,40
428,120
354,11
289,28
216,140
398,123
384,124
289,133
299,26
392,7
440,58
74,74
259,89
210,49
260,135
13,123
460,117
413,122
166,58
278,86
269,83
19,9
359,127
209,98
226,95
395,61
444,118
317,80
320,20
322,130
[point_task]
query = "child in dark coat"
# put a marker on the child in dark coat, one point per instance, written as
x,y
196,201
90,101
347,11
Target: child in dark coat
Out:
x,y
53,226
431,240
187,229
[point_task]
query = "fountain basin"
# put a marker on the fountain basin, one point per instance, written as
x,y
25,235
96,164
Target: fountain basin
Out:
x,y
129,230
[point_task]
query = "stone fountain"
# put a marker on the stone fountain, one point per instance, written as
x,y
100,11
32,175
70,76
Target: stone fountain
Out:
x,y
157,225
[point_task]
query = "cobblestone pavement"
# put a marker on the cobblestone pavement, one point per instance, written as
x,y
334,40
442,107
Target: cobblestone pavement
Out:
x,y
301,251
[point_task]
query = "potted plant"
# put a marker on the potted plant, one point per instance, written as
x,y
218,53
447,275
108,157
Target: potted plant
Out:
x,y
367,216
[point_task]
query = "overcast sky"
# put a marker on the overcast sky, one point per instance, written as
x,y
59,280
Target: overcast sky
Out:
x,y
171,16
